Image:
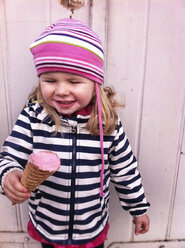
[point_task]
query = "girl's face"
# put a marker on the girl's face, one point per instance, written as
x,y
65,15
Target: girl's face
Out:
x,y
66,92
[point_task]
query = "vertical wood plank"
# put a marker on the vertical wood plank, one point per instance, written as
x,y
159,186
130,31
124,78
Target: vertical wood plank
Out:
x,y
162,111
178,217
5,116
183,140
24,215
126,37
178,220
22,75
4,123
7,213
98,22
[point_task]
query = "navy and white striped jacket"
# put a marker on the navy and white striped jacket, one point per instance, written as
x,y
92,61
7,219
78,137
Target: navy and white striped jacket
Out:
x,y
67,207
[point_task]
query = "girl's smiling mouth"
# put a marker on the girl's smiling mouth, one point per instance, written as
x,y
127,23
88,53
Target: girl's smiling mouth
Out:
x,y
65,104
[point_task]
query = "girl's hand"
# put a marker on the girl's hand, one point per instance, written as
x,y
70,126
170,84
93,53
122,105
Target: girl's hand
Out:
x,y
141,224
13,188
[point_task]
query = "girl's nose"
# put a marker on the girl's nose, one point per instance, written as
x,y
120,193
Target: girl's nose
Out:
x,y
62,88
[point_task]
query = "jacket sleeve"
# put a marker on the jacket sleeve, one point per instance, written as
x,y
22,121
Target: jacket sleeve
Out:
x,y
17,147
125,175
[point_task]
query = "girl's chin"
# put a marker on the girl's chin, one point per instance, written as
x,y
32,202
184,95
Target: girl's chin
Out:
x,y
66,111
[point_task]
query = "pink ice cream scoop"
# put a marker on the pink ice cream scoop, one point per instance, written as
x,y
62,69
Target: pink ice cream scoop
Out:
x,y
45,160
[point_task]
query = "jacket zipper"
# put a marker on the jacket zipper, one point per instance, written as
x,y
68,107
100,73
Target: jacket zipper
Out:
x,y
73,177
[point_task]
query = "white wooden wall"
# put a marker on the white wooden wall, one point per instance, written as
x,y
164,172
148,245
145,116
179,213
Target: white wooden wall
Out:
x,y
144,42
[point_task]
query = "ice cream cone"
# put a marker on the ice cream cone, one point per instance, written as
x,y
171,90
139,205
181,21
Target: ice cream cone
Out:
x,y
33,176
39,167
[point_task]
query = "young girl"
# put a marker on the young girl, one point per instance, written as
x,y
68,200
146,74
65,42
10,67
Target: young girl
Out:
x,y
70,114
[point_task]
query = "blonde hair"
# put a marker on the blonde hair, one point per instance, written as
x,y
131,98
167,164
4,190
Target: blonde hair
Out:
x,y
108,109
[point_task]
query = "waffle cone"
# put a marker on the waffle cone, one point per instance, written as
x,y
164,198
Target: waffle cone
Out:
x,y
33,176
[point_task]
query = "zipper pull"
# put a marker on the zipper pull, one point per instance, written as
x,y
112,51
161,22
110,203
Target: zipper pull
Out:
x,y
73,129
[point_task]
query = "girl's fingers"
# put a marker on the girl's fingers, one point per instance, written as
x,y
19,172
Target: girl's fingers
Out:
x,y
14,190
141,224
145,227
17,197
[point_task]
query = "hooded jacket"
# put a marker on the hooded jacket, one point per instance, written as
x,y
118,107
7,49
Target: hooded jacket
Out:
x,y
67,208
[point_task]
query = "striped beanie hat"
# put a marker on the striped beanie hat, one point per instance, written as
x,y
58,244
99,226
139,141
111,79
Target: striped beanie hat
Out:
x,y
71,46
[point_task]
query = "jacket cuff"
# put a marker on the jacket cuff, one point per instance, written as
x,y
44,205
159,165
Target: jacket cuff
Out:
x,y
138,213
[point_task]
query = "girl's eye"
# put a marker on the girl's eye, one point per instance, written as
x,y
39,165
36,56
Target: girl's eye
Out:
x,y
50,81
75,82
